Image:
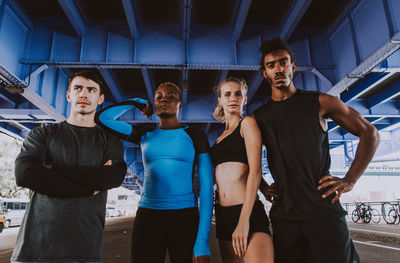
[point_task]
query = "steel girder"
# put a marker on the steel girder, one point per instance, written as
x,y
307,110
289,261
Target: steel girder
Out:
x,y
357,47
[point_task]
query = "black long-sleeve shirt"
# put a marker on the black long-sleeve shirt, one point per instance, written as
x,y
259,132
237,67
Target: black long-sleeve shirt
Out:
x,y
64,221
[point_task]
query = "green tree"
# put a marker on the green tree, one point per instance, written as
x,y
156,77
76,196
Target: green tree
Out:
x,y
9,150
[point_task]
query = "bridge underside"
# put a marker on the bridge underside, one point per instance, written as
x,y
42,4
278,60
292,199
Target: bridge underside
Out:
x,y
347,48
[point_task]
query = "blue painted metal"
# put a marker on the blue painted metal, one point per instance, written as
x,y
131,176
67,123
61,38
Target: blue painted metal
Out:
x,y
2,10
112,84
210,51
341,135
342,49
42,103
186,21
391,64
28,112
53,43
17,12
12,40
149,84
130,17
371,27
336,131
362,86
253,85
374,44
383,121
47,87
39,84
355,41
12,131
228,48
386,110
293,17
4,97
389,16
385,95
321,76
131,152
186,18
73,15
95,45
81,48
240,19
35,73
120,47
394,8
207,128
222,75
54,88
362,106
185,89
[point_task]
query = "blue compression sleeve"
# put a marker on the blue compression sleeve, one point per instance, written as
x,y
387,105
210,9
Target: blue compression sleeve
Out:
x,y
108,116
201,247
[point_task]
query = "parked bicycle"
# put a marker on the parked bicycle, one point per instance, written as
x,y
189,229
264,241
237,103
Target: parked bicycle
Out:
x,y
390,212
361,212
375,216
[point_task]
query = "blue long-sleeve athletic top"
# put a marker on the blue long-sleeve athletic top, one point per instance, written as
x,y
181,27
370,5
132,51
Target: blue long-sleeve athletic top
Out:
x,y
169,158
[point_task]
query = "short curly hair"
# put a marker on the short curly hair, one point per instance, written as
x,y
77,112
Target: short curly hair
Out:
x,y
276,43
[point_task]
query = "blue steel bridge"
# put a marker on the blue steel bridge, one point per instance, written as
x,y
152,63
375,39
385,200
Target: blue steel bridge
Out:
x,y
347,48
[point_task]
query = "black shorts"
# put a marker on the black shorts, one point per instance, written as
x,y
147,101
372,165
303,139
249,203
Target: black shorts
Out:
x,y
325,239
155,231
227,218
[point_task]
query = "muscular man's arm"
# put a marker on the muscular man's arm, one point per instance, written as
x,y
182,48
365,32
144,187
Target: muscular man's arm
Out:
x,y
353,122
30,173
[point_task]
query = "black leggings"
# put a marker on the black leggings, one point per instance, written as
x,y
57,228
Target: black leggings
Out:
x,y
156,230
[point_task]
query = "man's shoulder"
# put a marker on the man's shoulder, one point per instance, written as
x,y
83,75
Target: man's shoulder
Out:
x,y
45,129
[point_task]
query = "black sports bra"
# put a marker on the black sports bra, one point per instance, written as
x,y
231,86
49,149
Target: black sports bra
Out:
x,y
230,149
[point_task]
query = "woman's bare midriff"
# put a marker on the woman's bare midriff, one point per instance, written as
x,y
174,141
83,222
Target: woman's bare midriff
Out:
x,y
231,181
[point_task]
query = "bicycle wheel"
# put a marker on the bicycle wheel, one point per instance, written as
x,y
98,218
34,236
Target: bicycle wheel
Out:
x,y
386,208
376,217
398,216
367,217
393,216
355,216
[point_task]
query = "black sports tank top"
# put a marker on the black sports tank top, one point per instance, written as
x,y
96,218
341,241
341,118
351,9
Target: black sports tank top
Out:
x,y
230,149
298,156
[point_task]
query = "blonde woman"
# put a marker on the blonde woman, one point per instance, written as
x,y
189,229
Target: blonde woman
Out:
x,y
241,222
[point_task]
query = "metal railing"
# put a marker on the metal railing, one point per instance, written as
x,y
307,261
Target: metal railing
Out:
x,y
367,212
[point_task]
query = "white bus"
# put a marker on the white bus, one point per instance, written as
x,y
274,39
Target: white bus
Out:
x,y
13,210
